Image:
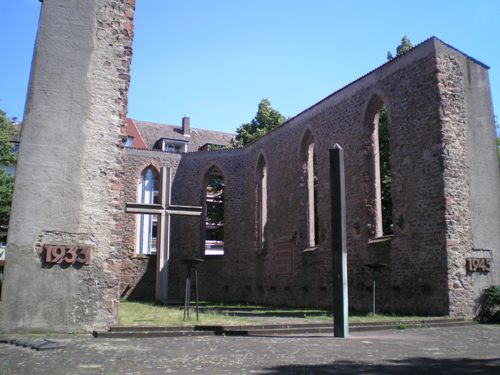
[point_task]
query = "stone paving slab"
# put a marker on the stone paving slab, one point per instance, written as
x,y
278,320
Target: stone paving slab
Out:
x,y
33,343
445,350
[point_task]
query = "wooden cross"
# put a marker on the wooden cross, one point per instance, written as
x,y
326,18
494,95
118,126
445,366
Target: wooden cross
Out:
x,y
163,210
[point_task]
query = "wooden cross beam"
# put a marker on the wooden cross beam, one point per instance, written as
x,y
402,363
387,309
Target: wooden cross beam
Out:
x,y
163,210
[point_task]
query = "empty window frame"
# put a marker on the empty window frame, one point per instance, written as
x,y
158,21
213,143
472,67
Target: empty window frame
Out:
x,y
214,213
147,225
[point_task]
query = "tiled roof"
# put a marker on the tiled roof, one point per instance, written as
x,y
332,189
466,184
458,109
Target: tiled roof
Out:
x,y
152,132
132,131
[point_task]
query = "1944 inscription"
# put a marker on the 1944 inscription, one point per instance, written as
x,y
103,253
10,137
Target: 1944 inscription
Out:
x,y
68,254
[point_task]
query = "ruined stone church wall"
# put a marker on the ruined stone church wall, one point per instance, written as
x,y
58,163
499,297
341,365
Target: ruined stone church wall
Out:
x,y
471,175
137,272
188,188
70,168
427,171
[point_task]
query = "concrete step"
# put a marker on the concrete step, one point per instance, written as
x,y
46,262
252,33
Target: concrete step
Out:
x,y
268,330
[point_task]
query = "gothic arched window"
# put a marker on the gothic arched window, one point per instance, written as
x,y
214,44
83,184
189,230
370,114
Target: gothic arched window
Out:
x,y
214,212
377,118
311,183
261,205
147,225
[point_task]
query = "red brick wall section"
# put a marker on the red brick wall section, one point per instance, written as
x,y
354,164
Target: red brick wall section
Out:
x,y
415,280
424,273
457,185
137,275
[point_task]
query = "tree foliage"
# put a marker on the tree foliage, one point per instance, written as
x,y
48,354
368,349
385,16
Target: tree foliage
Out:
x,y
6,189
385,172
497,125
7,158
489,308
215,205
403,47
7,130
385,151
266,119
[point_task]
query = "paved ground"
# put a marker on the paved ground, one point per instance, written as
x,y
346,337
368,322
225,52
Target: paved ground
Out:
x,y
457,350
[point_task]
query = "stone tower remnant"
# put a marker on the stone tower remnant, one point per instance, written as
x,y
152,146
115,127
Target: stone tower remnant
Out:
x,y
64,229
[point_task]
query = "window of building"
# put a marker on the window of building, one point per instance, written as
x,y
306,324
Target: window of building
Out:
x,y
170,145
130,142
214,213
147,225
261,205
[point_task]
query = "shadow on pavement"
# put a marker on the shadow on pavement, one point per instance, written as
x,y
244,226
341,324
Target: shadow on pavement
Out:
x,y
406,366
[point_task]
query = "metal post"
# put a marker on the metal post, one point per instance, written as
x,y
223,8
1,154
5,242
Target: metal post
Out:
x,y
196,290
191,264
373,296
339,247
186,293
375,268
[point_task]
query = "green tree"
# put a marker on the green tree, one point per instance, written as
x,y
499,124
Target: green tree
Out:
x,y
215,206
497,125
403,47
7,158
498,149
6,189
385,172
7,130
385,151
266,119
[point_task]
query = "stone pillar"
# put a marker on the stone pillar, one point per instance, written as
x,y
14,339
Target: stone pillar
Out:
x,y
68,183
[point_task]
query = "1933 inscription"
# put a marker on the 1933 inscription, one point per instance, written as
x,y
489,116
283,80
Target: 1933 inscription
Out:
x,y
69,254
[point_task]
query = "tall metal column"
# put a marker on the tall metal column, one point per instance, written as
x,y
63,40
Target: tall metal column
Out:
x,y
339,248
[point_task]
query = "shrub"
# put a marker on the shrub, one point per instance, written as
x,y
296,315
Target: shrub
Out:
x,y
489,309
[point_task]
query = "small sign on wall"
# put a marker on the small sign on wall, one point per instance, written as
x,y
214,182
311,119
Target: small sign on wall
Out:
x,y
478,264
283,258
67,254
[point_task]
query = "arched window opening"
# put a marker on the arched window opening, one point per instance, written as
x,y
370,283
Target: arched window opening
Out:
x,y
312,192
385,172
261,205
147,225
214,213
310,168
382,179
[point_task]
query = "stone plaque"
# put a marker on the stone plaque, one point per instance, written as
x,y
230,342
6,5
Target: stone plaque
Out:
x,y
68,254
283,258
478,264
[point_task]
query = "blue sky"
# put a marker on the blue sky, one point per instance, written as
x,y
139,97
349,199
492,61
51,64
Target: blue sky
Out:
x,y
214,60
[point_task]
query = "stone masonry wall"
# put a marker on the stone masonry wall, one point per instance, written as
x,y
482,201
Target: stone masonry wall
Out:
x,y
457,184
430,117
104,135
472,181
137,272
68,183
415,280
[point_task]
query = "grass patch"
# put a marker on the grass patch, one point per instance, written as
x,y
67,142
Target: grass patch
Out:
x,y
368,318
148,314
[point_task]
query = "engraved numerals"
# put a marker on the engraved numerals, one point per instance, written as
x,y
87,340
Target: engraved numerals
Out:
x,y
69,254
478,264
